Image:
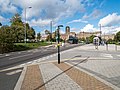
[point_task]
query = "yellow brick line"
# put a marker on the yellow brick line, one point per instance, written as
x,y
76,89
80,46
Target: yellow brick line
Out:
x,y
33,79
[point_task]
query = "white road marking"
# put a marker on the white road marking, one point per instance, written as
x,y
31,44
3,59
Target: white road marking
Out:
x,y
47,57
42,58
21,65
54,54
118,55
20,56
106,55
29,62
35,60
4,55
7,55
51,55
14,72
19,52
29,51
20,80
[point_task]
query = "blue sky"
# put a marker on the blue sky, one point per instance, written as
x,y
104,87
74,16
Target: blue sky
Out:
x,y
80,15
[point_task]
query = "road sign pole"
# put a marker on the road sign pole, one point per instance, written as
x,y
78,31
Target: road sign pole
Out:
x,y
58,33
58,46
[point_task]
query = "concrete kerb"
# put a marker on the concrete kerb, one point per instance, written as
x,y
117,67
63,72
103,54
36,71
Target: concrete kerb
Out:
x,y
20,80
98,78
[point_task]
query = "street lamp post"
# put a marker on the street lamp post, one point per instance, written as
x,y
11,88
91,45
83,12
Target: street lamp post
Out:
x,y
100,30
51,30
59,43
25,23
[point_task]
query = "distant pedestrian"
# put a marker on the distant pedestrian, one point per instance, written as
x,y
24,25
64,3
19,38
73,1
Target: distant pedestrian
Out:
x,y
106,43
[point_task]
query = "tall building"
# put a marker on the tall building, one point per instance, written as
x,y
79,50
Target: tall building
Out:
x,y
67,30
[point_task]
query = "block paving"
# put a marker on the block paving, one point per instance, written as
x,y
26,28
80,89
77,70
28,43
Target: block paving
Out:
x,y
53,76
86,81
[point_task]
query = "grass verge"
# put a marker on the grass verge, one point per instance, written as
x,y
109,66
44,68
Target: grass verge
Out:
x,y
27,46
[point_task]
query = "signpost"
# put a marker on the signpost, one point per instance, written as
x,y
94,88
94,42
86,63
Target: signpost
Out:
x,y
59,43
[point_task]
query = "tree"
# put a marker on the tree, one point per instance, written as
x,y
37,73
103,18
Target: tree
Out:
x,y
91,38
82,39
30,33
47,32
110,40
16,20
18,32
19,29
38,36
55,34
117,37
6,39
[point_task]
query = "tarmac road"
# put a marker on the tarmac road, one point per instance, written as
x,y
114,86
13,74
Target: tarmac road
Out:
x,y
16,58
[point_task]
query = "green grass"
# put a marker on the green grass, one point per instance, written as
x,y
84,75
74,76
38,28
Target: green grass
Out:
x,y
27,46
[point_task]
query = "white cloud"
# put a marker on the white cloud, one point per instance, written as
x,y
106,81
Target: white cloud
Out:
x,y
77,21
2,19
54,9
42,9
109,20
105,30
77,30
7,7
40,22
89,28
110,30
95,14
102,3
117,29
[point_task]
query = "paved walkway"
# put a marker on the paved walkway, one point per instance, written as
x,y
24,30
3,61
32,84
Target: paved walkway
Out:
x,y
110,47
56,79
53,76
78,73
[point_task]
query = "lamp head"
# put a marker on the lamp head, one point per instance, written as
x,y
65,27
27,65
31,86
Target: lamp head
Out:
x,y
29,7
60,26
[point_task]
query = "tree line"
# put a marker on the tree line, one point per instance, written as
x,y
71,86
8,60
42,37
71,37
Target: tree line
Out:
x,y
15,33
